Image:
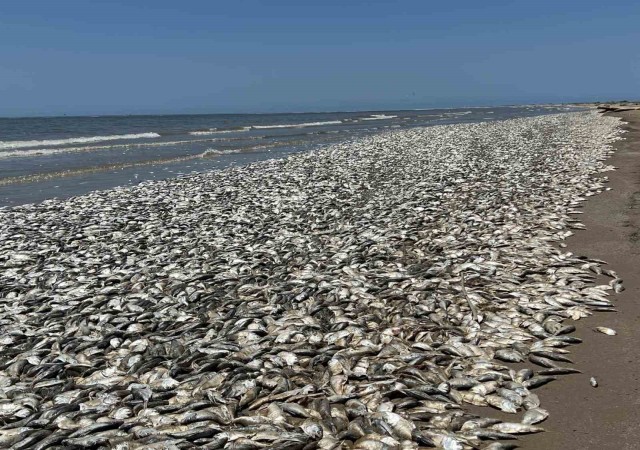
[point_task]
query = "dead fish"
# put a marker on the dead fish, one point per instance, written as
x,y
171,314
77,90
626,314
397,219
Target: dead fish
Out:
x,y
357,296
542,361
502,404
11,436
509,355
515,428
483,422
605,330
402,428
537,381
485,434
500,446
617,285
558,371
534,415
375,442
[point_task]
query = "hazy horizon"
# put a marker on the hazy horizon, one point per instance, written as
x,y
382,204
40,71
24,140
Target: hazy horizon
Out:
x,y
118,58
35,116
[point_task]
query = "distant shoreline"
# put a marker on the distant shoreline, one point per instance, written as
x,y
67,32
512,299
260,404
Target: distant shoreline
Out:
x,y
612,106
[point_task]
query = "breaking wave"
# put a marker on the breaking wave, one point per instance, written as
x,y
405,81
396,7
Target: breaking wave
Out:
x,y
214,152
53,151
219,131
378,117
263,127
297,125
78,140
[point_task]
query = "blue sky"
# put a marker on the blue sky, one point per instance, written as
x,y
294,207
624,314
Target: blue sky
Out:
x,y
157,56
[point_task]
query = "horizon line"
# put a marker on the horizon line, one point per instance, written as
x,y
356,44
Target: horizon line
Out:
x,y
300,112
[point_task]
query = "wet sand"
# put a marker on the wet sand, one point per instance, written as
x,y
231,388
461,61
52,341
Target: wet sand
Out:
x,y
606,417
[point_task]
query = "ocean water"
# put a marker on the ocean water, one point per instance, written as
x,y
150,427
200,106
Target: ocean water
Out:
x,y
42,158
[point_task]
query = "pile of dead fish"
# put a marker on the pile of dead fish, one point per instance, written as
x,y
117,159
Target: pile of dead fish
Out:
x,y
360,296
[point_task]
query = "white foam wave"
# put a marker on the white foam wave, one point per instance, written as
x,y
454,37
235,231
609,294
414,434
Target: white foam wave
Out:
x,y
54,151
218,131
458,113
297,125
378,117
213,152
78,140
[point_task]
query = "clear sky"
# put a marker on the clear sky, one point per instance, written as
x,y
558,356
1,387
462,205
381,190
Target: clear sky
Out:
x,y
171,56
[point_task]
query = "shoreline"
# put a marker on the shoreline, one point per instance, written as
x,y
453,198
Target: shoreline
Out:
x,y
35,167
606,417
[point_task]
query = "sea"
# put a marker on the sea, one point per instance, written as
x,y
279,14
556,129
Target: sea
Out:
x,y
61,157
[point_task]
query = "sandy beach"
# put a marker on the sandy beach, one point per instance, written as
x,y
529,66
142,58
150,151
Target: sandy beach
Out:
x,y
606,417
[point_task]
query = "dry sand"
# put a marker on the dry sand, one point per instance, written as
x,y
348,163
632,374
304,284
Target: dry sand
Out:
x,y
606,417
